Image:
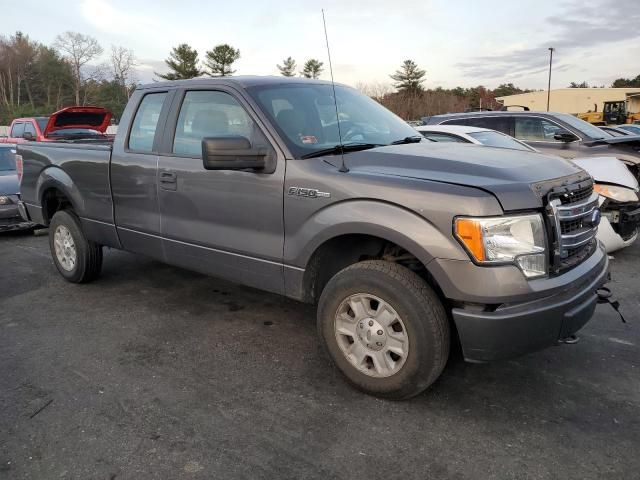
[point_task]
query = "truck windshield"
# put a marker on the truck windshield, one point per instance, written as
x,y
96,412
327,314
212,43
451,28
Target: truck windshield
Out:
x,y
583,127
7,159
42,122
305,117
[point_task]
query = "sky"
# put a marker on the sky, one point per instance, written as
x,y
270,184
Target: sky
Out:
x,y
458,42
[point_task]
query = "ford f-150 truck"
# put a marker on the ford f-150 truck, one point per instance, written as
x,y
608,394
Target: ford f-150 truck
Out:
x,y
406,245
70,122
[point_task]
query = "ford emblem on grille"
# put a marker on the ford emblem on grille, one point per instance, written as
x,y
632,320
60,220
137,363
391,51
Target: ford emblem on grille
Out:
x,y
595,217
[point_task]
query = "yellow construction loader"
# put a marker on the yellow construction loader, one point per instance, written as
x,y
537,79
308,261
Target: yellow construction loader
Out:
x,y
613,113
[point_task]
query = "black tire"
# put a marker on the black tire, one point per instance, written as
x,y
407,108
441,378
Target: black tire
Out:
x,y
422,314
88,254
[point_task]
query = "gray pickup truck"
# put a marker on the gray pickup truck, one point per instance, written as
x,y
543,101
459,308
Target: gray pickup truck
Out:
x,y
407,246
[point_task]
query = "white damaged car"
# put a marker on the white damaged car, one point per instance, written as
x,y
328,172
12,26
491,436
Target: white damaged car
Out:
x,y
616,185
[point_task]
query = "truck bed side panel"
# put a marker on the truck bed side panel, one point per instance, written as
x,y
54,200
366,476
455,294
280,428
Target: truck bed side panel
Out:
x,y
81,173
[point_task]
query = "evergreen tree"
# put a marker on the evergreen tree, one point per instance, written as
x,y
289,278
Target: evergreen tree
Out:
x,y
312,68
288,68
183,62
220,60
506,89
409,78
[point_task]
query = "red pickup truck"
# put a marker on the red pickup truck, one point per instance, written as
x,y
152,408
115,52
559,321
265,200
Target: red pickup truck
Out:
x,y
70,122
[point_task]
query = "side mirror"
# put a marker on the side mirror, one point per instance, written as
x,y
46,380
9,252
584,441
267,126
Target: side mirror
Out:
x,y
564,136
28,136
231,153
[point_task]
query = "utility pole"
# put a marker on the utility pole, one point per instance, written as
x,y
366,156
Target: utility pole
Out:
x,y
551,49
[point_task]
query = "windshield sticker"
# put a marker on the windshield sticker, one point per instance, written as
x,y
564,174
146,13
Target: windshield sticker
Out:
x,y
309,139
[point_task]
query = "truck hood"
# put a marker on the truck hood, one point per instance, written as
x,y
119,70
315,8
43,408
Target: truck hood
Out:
x,y
94,118
627,139
607,170
513,176
9,184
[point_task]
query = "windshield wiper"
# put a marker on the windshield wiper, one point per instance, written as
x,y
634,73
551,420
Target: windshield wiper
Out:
x,y
411,139
348,147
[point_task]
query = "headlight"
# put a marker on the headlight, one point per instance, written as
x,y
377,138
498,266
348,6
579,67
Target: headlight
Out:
x,y
614,192
514,239
5,200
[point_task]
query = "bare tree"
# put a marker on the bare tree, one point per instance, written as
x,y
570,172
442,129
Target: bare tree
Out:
x,y
375,90
78,49
93,78
123,62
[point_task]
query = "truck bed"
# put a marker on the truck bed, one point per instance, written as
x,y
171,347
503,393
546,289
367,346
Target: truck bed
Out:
x,y
80,165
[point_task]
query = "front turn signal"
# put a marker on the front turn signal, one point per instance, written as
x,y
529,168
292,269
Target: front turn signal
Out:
x,y
469,231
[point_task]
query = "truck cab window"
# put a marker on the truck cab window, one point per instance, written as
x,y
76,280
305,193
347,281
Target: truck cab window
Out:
x,y
29,128
209,114
535,129
18,130
143,129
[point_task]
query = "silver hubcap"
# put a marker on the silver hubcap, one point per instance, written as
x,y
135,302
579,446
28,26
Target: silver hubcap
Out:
x,y
65,248
371,335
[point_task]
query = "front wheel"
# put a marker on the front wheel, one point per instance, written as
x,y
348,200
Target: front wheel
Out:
x,y
77,259
385,329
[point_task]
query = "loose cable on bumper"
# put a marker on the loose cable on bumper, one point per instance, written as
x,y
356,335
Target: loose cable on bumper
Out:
x,y
604,296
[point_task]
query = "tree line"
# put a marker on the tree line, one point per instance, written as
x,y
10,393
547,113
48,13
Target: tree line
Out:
x,y
408,98
617,83
37,79
183,63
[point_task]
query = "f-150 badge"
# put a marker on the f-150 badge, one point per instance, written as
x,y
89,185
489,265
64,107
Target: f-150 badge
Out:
x,y
307,192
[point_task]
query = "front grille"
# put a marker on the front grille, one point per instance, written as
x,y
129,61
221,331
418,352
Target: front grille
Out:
x,y
576,256
571,210
571,226
577,195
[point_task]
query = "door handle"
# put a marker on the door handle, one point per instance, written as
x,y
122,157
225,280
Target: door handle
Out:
x,y
168,181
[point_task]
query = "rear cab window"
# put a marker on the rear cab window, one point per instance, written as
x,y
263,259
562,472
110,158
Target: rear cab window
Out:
x,y
145,122
500,140
443,137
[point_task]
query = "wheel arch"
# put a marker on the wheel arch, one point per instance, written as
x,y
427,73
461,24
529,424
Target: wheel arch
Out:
x,y
345,234
56,190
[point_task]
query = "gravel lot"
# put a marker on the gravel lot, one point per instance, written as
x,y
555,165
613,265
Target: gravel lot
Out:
x,y
157,372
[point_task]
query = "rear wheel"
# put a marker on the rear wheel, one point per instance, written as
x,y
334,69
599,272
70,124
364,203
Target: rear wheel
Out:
x,y
77,259
385,328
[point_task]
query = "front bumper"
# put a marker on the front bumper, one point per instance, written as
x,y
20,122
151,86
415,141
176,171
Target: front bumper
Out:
x,y
619,225
611,239
513,329
11,219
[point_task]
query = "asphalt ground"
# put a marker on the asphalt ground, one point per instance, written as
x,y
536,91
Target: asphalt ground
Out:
x,y
156,372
